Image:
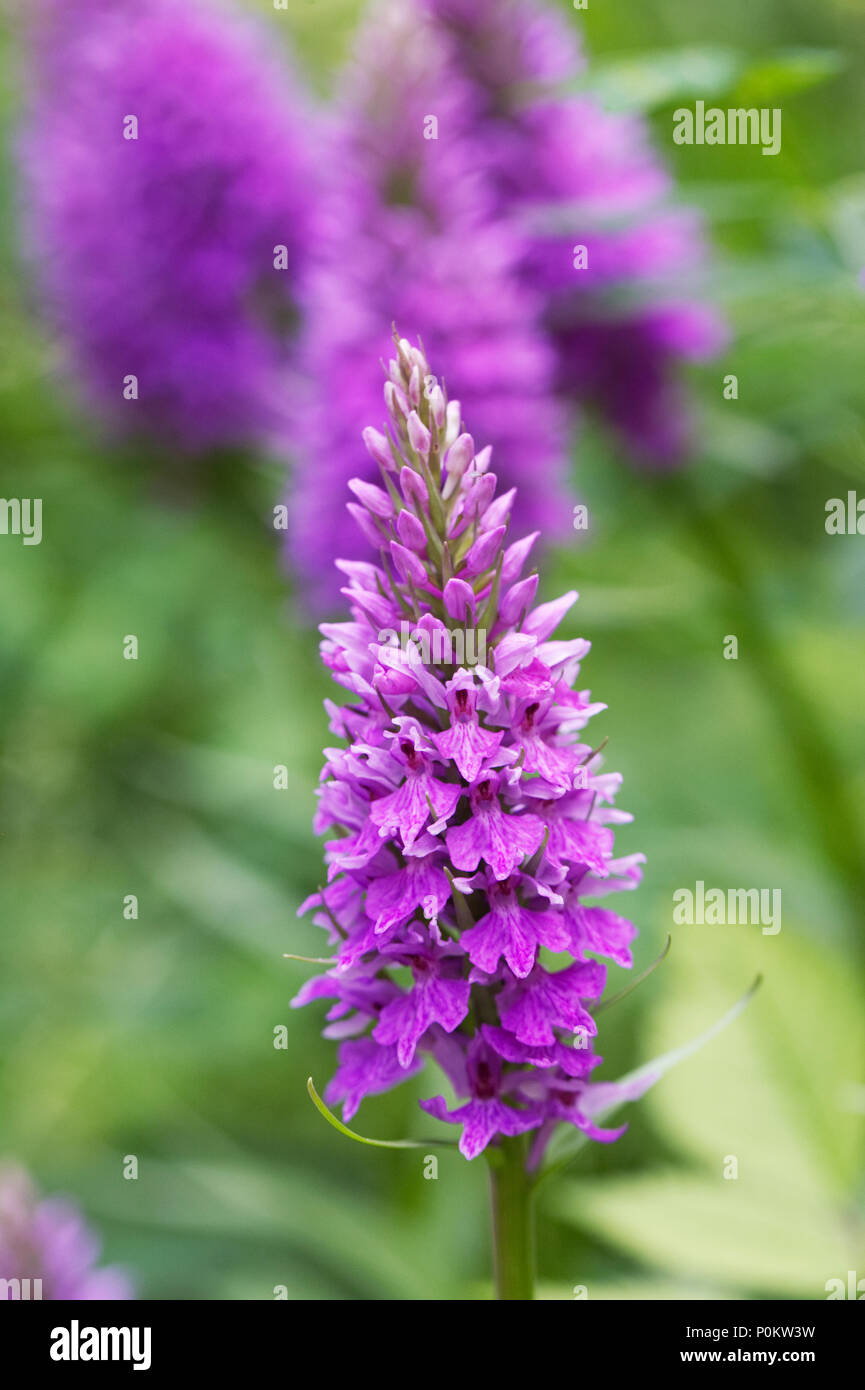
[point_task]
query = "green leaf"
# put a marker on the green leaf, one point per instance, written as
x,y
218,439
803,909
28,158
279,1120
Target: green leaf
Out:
x,y
709,1228
776,1099
773,1095
787,72
646,81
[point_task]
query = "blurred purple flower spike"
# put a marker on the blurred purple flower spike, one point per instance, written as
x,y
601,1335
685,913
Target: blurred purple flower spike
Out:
x,y
572,175
411,235
168,210
48,1240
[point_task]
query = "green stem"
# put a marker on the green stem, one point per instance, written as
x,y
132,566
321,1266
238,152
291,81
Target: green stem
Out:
x,y
512,1221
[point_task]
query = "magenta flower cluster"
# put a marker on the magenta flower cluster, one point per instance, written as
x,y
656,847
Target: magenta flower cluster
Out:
x,y
47,1239
470,821
165,158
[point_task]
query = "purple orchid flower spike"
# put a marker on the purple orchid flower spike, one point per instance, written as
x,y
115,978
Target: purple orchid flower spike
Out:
x,y
472,820
473,824
168,191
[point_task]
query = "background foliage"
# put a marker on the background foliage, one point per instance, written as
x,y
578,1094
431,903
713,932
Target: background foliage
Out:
x,y
154,1037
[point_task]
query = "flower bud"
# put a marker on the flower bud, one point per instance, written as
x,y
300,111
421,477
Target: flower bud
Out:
x,y
408,564
375,499
411,531
366,524
419,436
378,447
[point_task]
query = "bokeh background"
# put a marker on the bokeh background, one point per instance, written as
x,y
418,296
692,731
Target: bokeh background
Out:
x,y
154,1037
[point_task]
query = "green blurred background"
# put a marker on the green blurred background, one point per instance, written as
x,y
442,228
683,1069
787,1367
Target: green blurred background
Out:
x,y
154,1037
